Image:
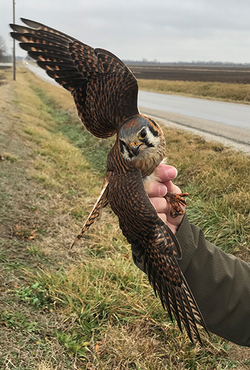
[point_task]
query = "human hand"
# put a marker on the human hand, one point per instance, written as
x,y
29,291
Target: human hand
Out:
x,y
158,188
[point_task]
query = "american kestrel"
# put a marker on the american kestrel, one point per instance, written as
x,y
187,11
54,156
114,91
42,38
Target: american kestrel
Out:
x,y
105,93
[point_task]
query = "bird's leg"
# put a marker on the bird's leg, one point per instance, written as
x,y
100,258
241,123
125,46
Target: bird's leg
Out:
x,y
101,202
176,201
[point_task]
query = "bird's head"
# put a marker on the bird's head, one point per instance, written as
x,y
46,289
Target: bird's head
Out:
x,y
142,143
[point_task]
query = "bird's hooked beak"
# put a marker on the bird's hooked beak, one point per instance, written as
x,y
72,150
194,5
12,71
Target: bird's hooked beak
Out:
x,y
135,147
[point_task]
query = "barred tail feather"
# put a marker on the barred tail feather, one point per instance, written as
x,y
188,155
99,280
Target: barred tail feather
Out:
x,y
101,202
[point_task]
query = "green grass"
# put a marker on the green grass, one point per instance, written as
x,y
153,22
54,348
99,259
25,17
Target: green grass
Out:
x,y
92,148
219,200
90,307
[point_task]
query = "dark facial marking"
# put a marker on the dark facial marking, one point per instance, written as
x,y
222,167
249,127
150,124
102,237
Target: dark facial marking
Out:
x,y
123,145
153,122
149,145
154,132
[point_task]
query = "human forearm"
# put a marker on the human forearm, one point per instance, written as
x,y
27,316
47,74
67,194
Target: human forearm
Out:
x,y
220,284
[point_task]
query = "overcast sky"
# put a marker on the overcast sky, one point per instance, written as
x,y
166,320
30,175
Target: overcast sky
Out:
x,y
163,30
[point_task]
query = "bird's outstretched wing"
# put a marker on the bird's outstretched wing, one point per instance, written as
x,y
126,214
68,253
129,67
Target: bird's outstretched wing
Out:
x,y
157,247
104,89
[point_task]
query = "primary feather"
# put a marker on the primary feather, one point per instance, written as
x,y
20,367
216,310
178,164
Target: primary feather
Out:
x,y
104,89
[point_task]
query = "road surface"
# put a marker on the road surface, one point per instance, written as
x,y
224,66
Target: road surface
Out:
x,y
229,113
225,122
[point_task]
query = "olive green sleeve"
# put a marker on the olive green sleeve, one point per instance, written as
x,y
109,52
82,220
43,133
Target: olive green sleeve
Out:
x,y
220,284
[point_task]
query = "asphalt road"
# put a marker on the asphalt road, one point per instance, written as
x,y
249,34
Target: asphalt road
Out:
x,y
229,113
225,122
39,72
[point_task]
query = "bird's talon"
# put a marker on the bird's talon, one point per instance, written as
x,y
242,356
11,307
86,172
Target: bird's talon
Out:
x,y
176,201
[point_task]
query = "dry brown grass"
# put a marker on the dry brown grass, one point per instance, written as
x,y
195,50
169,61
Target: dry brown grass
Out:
x,y
210,90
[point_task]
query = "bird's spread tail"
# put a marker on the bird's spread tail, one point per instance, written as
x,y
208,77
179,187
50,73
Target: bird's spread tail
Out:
x,y
101,202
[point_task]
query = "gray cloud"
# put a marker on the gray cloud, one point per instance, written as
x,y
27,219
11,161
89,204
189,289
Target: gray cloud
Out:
x,y
165,30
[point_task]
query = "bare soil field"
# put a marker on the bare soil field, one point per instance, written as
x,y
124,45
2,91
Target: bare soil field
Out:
x,y
225,74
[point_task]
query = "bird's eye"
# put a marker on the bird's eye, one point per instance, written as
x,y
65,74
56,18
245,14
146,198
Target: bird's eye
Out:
x,y
143,134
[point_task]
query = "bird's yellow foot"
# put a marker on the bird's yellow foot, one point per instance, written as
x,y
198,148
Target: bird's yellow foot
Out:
x,y
176,201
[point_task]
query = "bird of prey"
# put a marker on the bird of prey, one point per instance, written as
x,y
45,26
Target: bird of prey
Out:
x,y
105,93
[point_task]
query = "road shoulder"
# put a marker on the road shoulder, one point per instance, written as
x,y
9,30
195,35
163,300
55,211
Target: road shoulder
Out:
x,y
236,137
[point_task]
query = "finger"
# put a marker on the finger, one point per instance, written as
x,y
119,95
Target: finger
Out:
x,y
172,188
165,173
160,204
174,221
163,217
155,188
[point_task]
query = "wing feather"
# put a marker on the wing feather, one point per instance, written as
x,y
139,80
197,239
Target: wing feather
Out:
x,y
158,248
104,89
167,280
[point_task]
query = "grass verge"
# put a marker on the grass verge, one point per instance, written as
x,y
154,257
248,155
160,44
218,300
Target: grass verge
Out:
x,y
90,307
210,90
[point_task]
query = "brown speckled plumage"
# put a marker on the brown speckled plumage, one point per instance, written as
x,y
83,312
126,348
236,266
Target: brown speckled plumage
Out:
x,y
105,93
104,89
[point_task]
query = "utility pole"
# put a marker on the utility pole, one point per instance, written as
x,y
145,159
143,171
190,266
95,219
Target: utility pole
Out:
x,y
14,46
